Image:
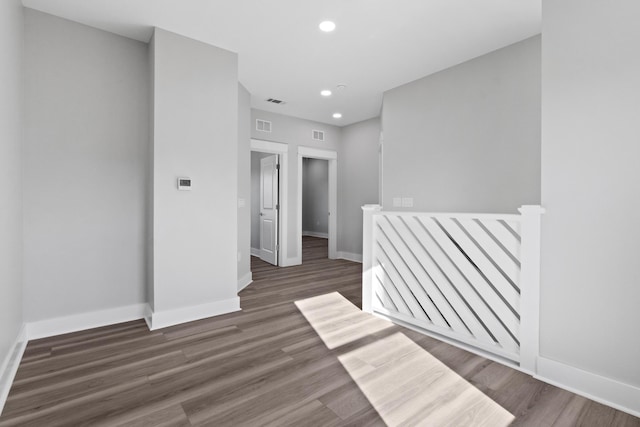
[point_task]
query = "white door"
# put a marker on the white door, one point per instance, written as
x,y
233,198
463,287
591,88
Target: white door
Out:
x,y
269,209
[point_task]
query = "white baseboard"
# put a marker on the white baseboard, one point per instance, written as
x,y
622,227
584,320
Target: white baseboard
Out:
x,y
284,262
10,365
315,234
290,262
245,281
349,256
607,391
80,322
166,318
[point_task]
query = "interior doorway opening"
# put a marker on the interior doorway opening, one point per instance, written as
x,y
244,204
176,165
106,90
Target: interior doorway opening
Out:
x,y
330,158
268,201
315,207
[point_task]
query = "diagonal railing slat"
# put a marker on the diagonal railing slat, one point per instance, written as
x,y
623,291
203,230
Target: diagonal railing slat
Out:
x,y
481,262
388,293
408,247
409,298
406,276
509,242
494,251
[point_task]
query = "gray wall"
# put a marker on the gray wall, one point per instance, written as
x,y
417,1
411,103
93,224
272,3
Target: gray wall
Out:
x,y
255,197
467,138
11,37
315,196
294,132
85,168
358,179
591,186
244,181
195,135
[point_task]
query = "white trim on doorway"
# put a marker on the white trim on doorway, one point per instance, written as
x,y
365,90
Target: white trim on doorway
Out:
x,y
283,151
332,157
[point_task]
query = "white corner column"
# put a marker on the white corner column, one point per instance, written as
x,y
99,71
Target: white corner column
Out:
x,y
195,128
530,287
367,255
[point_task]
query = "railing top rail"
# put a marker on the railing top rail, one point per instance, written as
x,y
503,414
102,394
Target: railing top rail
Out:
x,y
485,216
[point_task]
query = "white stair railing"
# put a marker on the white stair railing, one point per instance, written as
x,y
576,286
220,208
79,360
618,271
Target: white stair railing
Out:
x,y
471,279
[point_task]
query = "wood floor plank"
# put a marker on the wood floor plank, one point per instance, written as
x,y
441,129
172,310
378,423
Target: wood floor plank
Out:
x,y
299,388
162,398
596,414
82,410
313,413
257,389
625,420
87,354
571,411
58,393
298,353
106,364
346,401
172,416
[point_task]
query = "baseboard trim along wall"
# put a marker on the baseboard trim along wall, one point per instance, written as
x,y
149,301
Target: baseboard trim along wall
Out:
x,y
350,256
290,262
315,234
80,322
607,391
255,252
163,319
10,365
95,319
245,281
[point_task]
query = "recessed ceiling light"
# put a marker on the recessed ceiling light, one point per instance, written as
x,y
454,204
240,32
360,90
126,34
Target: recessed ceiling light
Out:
x,y
327,26
325,92
337,115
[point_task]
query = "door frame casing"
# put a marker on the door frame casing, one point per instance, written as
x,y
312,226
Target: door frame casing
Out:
x,y
272,213
332,157
281,149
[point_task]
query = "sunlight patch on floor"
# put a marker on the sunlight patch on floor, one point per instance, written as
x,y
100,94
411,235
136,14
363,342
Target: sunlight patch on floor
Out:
x,y
401,380
337,321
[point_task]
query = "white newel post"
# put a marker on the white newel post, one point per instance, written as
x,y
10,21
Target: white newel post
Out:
x,y
530,287
367,254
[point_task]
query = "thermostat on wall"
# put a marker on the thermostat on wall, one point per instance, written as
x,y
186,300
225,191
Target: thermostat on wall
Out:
x,y
184,184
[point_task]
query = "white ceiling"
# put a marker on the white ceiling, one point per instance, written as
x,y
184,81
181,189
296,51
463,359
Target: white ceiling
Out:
x,y
377,45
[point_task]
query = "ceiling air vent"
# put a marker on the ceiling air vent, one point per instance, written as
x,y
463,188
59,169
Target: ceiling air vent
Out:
x,y
318,135
263,125
276,101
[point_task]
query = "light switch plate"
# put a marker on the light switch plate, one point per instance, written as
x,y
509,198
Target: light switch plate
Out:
x,y
241,203
407,202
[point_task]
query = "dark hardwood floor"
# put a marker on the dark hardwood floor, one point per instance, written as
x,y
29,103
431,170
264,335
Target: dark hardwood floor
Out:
x,y
299,353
